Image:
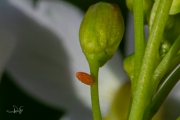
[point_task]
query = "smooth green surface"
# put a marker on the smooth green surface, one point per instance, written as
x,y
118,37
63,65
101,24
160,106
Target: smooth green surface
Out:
x,y
153,14
94,69
175,8
128,64
139,40
163,92
163,67
175,61
140,99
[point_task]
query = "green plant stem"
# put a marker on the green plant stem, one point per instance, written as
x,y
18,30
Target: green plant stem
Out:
x,y
163,92
153,14
161,70
94,69
140,98
175,61
163,67
139,39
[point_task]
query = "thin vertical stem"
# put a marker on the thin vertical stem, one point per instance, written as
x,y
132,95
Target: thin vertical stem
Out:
x,y
140,98
94,69
139,39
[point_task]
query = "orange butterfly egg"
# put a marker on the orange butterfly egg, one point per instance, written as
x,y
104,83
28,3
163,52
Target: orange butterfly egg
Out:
x,y
85,78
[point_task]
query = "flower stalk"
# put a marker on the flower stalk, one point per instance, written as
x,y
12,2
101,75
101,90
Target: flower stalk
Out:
x,y
140,102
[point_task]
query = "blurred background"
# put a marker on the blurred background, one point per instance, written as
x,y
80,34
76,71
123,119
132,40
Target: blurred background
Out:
x,y
40,55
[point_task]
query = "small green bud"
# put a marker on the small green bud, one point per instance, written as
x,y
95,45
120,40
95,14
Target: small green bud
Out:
x,y
129,65
164,47
175,7
101,32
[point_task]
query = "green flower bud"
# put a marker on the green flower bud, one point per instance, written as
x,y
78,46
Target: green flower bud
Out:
x,y
175,7
101,32
164,47
129,65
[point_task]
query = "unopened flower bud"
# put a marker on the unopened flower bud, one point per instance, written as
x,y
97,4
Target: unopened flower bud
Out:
x,y
164,47
129,65
101,32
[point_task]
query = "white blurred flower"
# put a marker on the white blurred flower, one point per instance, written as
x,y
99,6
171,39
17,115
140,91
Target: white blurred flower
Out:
x,y
40,50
